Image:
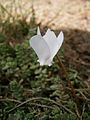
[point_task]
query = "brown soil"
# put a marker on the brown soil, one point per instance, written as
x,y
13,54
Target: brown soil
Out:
x,y
70,16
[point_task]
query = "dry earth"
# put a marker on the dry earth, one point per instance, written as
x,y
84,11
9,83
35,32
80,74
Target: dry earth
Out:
x,y
70,16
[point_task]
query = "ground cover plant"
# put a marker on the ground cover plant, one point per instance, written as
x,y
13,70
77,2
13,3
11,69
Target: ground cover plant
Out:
x,y
31,92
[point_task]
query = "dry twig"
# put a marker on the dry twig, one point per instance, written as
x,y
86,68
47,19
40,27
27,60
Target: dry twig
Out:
x,y
41,98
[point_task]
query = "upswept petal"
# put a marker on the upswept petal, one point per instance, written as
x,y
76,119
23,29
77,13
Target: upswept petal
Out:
x,y
60,39
41,48
38,31
51,40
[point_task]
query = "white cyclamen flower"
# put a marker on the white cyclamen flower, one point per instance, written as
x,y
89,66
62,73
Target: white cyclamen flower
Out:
x,y
47,46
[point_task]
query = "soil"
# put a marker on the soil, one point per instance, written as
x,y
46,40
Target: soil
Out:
x,y
73,18
70,16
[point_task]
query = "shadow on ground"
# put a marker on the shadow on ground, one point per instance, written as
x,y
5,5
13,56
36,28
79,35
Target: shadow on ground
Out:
x,y
76,44
76,49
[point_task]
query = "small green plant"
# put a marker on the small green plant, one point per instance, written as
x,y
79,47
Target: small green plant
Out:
x,y
22,78
31,92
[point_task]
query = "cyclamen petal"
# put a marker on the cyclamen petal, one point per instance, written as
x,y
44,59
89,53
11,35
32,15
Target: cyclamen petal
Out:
x,y
60,39
38,31
47,46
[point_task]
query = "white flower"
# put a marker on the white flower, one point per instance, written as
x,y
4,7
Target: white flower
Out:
x,y
47,46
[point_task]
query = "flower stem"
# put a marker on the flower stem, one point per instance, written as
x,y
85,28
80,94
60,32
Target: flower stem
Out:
x,y
67,77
